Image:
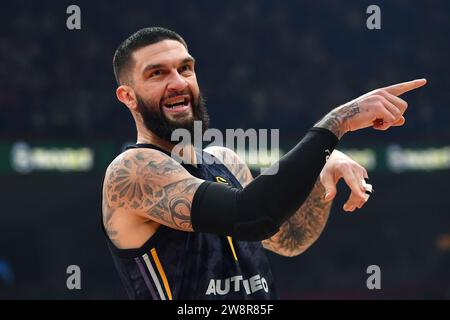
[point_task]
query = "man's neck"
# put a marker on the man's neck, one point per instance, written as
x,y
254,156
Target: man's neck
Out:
x,y
148,137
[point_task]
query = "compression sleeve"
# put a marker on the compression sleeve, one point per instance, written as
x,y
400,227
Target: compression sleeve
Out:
x,y
257,211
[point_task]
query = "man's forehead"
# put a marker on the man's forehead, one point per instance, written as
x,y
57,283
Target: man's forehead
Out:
x,y
163,52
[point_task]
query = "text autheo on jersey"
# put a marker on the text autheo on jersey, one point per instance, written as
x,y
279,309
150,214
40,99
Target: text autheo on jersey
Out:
x,y
236,284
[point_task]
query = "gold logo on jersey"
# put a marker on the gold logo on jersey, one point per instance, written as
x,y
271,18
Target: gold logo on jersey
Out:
x,y
221,180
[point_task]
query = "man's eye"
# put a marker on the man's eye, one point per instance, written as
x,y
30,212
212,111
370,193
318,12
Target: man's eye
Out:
x,y
185,68
155,73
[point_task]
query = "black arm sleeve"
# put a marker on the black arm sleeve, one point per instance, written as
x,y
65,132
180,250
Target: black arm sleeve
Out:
x,y
257,211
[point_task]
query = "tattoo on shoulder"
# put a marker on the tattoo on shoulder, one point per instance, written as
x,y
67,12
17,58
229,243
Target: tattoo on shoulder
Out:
x,y
154,185
236,166
241,172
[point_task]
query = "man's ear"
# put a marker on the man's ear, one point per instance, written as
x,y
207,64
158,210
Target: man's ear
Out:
x,y
126,95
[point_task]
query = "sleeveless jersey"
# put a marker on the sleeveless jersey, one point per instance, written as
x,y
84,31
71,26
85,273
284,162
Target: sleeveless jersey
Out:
x,y
174,264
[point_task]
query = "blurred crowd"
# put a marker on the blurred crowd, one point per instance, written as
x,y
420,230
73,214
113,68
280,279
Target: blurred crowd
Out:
x,y
262,64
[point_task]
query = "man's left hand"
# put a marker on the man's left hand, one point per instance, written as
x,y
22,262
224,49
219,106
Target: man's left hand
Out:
x,y
341,166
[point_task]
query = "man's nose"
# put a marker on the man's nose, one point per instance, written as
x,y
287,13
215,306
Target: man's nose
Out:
x,y
176,81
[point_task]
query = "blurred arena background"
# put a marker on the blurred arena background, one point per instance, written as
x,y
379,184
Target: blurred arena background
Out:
x,y
261,64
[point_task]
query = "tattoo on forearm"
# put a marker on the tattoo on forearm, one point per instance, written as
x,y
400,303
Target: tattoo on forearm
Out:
x,y
336,121
142,182
304,227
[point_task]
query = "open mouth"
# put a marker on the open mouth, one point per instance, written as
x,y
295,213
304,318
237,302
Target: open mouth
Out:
x,y
177,105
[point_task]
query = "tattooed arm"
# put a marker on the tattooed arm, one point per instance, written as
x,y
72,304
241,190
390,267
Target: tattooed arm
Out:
x,y
380,109
337,120
150,184
302,229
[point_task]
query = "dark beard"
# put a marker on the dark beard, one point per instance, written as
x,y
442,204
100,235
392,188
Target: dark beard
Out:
x,y
156,121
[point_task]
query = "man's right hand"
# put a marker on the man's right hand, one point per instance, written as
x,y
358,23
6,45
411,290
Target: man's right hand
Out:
x,y
380,109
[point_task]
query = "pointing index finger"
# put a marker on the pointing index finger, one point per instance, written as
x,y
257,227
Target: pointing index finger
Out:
x,y
401,88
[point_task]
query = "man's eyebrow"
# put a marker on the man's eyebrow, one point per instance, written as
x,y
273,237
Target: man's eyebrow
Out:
x,y
188,59
151,67
159,65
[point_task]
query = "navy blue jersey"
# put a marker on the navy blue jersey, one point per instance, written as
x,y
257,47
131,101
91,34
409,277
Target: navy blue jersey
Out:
x,y
175,264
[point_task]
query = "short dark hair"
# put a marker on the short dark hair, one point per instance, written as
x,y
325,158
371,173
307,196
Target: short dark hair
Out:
x,y
122,57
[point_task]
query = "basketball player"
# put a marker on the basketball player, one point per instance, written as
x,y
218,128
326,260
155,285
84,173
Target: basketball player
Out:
x,y
199,230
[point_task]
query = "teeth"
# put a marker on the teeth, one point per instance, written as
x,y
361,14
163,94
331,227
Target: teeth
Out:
x,y
176,105
177,101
